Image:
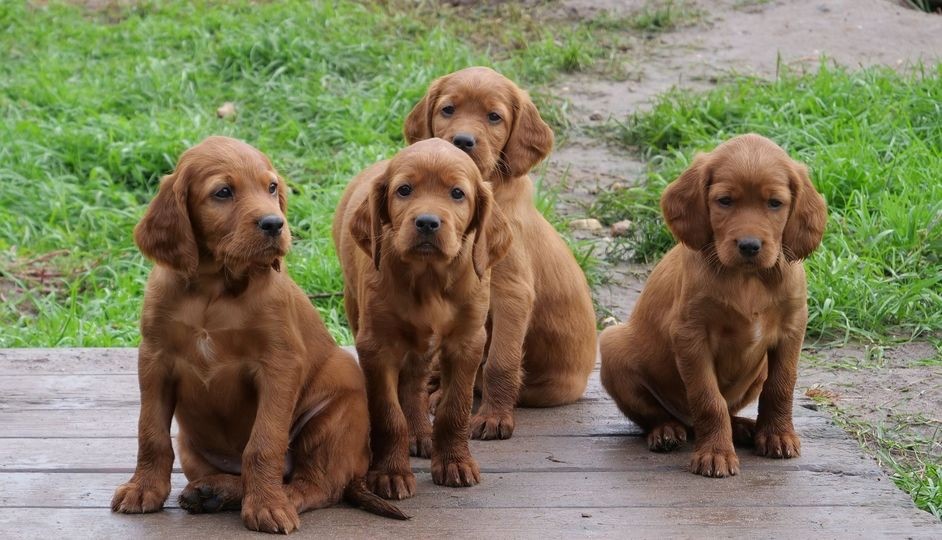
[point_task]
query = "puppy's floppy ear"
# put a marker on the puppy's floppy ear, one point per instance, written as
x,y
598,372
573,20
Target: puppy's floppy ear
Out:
x,y
282,194
418,125
808,217
684,205
530,140
492,234
366,226
165,234
283,204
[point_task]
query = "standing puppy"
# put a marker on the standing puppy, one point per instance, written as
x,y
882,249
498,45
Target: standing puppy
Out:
x,y
233,348
542,324
417,236
722,317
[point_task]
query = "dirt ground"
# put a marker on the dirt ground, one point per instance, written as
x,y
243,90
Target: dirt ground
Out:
x,y
895,391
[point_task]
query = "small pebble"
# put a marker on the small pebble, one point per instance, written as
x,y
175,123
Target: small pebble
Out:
x,y
621,228
586,515
589,224
596,116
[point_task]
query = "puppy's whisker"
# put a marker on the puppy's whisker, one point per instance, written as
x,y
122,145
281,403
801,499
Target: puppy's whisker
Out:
x,y
712,257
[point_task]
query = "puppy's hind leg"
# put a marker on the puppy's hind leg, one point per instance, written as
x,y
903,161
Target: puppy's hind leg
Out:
x,y
327,452
663,431
210,489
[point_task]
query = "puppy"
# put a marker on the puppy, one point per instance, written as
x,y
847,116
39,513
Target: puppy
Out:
x,y
232,347
722,318
416,237
542,334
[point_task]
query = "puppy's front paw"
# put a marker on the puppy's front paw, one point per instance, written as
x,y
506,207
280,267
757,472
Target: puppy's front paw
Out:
x,y
420,446
777,443
391,485
715,462
271,513
667,436
458,472
140,496
490,424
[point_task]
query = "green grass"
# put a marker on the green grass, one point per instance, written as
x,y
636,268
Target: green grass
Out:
x,y
97,106
664,15
929,6
873,142
746,4
923,484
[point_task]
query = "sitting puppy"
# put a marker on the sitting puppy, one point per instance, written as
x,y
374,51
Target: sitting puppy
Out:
x,y
416,237
542,334
722,318
233,347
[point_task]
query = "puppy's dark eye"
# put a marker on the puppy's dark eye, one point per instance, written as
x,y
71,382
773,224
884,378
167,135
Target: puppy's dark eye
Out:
x,y
404,190
224,192
273,187
775,203
457,194
725,201
494,118
448,110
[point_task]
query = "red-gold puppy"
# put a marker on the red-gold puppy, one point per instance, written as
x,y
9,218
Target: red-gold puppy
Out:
x,y
542,343
722,318
417,236
233,348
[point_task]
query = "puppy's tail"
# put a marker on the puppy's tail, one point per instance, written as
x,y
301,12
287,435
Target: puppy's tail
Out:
x,y
357,494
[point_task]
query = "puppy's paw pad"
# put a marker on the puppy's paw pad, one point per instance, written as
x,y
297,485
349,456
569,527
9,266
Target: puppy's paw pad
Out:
x,y
139,498
391,485
744,430
667,437
777,444
489,425
715,463
420,446
455,472
277,515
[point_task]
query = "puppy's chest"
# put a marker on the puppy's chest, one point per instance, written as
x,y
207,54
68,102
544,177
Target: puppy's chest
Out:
x,y
428,318
741,333
213,339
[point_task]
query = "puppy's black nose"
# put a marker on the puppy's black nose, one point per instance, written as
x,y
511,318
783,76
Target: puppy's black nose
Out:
x,y
749,246
464,141
271,224
428,223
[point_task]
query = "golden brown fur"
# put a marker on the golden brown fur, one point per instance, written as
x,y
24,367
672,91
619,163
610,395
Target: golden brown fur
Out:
x,y
542,343
721,319
233,348
411,295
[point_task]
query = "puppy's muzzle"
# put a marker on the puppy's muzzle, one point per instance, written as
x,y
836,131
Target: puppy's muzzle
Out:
x,y
749,246
464,141
271,224
428,224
